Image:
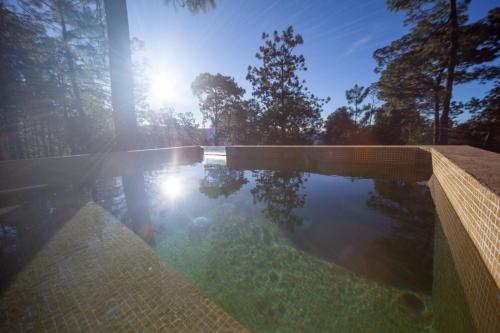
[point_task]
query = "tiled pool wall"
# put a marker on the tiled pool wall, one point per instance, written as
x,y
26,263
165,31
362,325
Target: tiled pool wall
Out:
x,y
477,284
475,202
395,155
396,163
476,205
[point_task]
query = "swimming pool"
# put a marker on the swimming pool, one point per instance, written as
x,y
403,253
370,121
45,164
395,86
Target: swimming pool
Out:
x,y
290,246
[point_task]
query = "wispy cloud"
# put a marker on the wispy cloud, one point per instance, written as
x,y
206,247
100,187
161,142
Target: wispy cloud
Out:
x,y
357,45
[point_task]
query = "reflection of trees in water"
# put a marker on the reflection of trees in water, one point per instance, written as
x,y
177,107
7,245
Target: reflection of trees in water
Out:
x,y
409,243
128,201
138,206
279,190
221,181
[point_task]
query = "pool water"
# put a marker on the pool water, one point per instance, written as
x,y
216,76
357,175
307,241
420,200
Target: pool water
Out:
x,y
287,247
289,251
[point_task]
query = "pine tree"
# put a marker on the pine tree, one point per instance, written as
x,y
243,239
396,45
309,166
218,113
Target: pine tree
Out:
x,y
290,113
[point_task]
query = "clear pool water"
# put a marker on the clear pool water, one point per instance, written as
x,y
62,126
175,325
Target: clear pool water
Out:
x,y
289,248
284,250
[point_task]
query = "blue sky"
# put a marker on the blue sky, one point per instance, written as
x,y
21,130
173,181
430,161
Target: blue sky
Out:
x,y
339,40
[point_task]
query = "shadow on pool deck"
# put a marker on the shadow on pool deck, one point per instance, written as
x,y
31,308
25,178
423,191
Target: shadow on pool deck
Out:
x,y
97,275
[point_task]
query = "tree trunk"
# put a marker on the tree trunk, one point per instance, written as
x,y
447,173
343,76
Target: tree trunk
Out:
x,y
436,122
437,104
122,88
452,59
282,100
355,113
82,128
216,132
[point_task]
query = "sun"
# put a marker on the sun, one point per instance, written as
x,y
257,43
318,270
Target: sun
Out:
x,y
165,88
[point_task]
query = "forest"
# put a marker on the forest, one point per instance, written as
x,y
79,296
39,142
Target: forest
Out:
x,y
71,84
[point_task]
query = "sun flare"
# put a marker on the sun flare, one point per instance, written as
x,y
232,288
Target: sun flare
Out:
x,y
165,88
172,187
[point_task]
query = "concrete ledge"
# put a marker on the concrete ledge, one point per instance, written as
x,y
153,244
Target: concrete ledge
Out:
x,y
80,168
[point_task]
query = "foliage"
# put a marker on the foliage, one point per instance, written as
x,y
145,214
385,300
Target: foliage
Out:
x,y
353,124
340,128
53,76
55,87
218,96
290,113
356,95
483,128
401,124
194,6
440,51
166,128
242,125
55,84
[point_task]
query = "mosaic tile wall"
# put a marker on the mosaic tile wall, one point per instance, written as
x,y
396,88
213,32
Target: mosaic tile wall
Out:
x,y
97,275
331,166
476,281
477,206
396,155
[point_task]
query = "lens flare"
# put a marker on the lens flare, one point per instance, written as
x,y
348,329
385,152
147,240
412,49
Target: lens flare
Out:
x,y
172,187
165,88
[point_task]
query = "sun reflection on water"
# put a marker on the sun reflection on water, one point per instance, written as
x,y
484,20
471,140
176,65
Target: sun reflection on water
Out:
x,y
171,187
